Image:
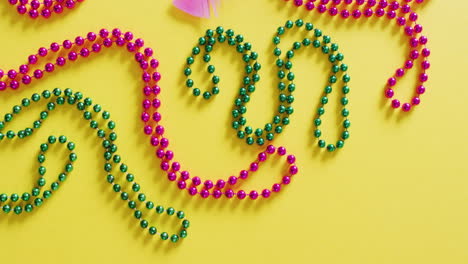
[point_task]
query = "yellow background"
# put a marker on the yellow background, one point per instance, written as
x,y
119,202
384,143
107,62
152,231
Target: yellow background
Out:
x,y
397,192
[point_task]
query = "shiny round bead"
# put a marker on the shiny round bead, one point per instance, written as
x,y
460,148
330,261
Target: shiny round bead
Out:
x,y
321,143
164,236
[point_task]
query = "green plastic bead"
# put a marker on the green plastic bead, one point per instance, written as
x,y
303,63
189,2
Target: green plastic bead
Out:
x,y
138,214
189,83
42,170
159,209
149,205
278,129
41,182
62,139
321,143
47,194
325,49
345,89
317,133
130,177
331,147
334,47
345,112
14,197
299,23
346,78
277,52
116,188
186,223
346,123
28,208
206,95
54,186
38,202
41,158
97,108
136,187
340,144
317,32
276,40
62,177
321,111
316,43
46,94
296,45
71,146
317,122
164,236
25,197
25,102
170,211
219,30
18,210
260,141
345,135
6,208
180,214
10,134
69,168
174,238
152,230
324,100
211,69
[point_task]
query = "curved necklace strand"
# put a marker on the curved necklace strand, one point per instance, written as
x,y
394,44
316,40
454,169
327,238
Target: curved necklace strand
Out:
x,y
58,55
404,17
315,39
44,8
135,198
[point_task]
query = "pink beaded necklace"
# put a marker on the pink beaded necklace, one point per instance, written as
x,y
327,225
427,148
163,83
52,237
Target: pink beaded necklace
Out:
x,y
82,48
404,17
46,8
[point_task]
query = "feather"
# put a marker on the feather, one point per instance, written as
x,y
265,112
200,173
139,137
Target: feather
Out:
x,y
198,8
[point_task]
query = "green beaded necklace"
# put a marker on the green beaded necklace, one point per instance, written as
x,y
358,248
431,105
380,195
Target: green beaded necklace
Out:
x,y
286,84
113,164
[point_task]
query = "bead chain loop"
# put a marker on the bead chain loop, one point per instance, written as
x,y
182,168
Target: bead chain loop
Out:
x,y
112,160
82,48
44,9
404,17
286,84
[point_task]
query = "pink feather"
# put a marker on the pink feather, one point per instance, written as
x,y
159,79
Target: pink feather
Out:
x,y
198,8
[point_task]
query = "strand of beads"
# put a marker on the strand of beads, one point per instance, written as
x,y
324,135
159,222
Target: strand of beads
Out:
x,y
37,196
46,8
286,86
128,189
404,17
82,48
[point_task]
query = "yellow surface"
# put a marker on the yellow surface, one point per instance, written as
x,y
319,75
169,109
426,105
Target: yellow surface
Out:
x,y
397,193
